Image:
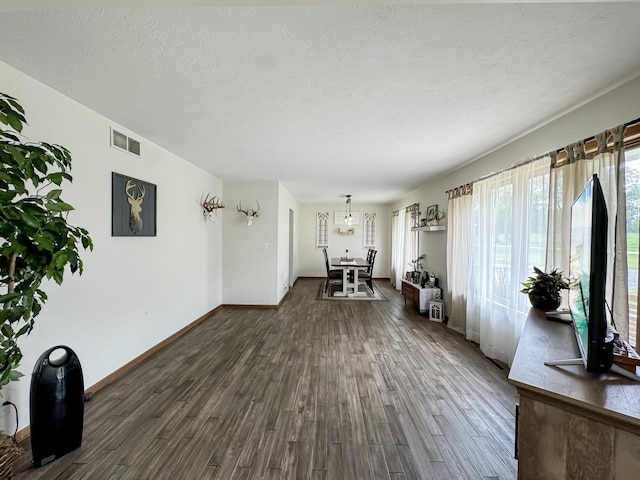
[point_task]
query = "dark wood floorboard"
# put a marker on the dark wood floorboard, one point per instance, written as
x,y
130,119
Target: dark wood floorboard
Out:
x,y
327,390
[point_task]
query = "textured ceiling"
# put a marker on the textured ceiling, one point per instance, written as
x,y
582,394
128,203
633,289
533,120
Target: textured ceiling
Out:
x,y
366,100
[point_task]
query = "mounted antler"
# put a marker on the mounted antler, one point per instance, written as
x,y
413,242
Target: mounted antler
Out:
x,y
250,213
209,207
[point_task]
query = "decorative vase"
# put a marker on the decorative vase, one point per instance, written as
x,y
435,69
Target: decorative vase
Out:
x,y
545,302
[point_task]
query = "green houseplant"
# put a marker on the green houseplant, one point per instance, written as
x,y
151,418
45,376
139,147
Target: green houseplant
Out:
x,y
417,267
544,289
417,263
36,241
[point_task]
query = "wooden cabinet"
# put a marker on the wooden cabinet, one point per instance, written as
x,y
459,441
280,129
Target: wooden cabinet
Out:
x,y
418,297
411,293
572,423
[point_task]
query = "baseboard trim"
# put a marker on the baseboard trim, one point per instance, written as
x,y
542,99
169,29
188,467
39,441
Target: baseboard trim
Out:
x,y
241,305
23,434
286,294
125,368
323,277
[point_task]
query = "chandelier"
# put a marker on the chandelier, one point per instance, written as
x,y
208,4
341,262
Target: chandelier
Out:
x,y
348,218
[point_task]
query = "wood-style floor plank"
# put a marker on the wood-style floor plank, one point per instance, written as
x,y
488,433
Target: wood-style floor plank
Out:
x,y
318,390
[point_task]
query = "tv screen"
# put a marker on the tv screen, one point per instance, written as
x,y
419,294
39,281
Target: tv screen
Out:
x,y
587,277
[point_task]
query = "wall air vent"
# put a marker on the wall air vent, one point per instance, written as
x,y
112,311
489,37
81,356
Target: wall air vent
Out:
x,y
121,141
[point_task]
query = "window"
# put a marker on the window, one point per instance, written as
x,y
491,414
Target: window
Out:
x,y
632,179
512,231
322,229
508,237
369,230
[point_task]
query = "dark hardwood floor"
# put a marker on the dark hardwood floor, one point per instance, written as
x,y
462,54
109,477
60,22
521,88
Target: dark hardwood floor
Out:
x,y
313,390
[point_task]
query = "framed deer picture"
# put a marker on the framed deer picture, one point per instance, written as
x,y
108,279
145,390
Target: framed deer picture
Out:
x,y
133,207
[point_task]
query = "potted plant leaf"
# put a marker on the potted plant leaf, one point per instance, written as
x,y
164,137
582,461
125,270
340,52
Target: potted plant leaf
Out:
x,y
36,241
544,289
417,263
417,267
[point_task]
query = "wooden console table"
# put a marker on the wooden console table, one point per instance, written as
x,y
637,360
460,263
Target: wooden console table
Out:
x,y
418,297
572,423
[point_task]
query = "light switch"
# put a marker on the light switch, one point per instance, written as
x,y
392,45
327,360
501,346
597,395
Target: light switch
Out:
x,y
265,245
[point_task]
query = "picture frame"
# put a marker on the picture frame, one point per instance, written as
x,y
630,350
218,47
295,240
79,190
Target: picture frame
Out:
x,y
133,207
432,212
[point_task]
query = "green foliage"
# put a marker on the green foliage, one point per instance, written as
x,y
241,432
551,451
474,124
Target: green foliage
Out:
x,y
632,180
36,240
545,284
417,263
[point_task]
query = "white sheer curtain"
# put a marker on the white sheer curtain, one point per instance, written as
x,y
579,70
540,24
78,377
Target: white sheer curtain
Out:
x,y
458,254
410,251
567,181
510,212
397,248
402,244
620,304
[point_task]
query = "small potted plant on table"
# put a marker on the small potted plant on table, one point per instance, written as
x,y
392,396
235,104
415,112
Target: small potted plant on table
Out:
x,y
544,289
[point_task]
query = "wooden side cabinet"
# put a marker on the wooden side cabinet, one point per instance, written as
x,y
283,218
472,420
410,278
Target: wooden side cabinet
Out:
x,y
572,424
418,297
411,293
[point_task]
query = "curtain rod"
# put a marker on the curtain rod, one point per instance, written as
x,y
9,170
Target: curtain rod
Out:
x,y
460,191
517,165
548,154
413,206
625,126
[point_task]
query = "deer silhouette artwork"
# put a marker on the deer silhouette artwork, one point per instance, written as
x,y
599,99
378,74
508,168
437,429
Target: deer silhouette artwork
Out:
x,y
135,200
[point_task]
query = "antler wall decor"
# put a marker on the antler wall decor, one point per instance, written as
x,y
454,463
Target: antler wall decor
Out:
x,y
210,208
250,213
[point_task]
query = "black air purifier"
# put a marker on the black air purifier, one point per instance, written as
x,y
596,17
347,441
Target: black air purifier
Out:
x,y
57,405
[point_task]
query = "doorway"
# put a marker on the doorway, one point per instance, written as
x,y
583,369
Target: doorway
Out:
x,y
290,282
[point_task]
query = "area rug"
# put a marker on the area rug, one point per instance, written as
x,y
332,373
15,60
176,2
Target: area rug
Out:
x,y
370,295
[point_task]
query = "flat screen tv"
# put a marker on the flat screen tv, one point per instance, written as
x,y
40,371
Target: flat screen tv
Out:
x,y
587,277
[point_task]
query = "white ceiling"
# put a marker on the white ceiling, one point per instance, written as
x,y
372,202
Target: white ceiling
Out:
x,y
370,100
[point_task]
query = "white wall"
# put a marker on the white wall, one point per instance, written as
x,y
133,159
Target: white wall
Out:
x,y
248,268
618,106
135,292
311,261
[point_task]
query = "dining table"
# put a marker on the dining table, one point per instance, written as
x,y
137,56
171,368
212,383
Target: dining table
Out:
x,y
350,289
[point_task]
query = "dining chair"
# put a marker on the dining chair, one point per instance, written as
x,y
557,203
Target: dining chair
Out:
x,y
367,274
335,274
369,253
